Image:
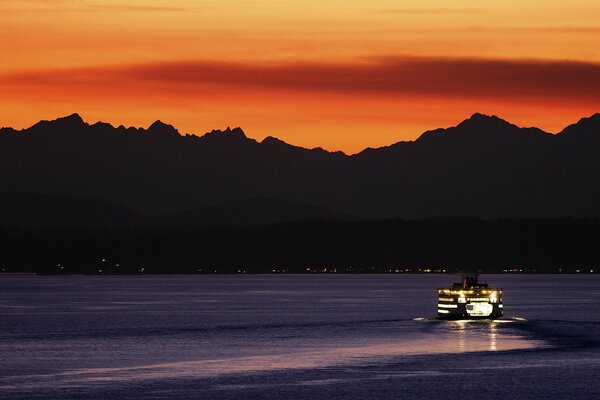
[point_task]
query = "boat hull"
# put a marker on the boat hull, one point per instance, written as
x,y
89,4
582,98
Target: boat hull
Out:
x,y
470,303
458,316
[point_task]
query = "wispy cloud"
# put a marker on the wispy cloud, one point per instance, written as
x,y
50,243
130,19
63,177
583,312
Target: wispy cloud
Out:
x,y
387,76
513,30
429,11
126,7
83,6
38,1
564,29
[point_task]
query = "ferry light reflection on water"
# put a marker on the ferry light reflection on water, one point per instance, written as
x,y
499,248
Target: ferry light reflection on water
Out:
x,y
445,337
485,333
493,338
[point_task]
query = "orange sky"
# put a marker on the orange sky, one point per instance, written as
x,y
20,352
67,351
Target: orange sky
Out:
x,y
336,74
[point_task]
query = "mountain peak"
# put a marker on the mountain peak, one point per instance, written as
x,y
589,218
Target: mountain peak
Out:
x,y
480,121
593,119
235,133
160,128
270,140
585,127
484,129
74,118
70,121
478,115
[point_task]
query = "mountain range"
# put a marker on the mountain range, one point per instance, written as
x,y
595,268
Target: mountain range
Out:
x,y
483,167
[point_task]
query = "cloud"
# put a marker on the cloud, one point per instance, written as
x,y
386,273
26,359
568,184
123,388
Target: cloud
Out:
x,y
39,1
426,11
84,6
519,30
125,7
386,76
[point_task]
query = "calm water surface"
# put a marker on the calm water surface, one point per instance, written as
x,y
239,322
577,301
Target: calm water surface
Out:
x,y
292,336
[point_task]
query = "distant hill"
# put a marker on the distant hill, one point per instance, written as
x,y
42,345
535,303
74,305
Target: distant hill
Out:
x,y
483,167
250,212
40,211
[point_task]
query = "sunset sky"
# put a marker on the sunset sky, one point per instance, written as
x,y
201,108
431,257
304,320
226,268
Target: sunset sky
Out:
x,y
340,74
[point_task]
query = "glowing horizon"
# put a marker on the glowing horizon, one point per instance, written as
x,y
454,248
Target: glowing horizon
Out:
x,y
338,75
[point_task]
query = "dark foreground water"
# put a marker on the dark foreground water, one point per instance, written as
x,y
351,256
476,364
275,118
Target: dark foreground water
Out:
x,y
293,337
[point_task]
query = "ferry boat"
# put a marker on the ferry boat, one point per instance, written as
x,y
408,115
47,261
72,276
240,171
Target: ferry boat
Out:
x,y
470,299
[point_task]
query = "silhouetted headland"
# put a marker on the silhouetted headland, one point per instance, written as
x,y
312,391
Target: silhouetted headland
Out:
x,y
562,245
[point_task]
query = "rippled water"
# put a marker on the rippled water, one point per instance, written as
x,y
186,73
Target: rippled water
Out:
x,y
286,336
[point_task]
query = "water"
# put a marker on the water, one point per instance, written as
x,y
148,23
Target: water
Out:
x,y
292,336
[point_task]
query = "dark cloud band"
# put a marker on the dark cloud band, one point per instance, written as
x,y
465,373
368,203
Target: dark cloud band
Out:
x,y
391,76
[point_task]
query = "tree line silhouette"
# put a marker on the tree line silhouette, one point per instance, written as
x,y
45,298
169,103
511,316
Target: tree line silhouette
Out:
x,y
446,244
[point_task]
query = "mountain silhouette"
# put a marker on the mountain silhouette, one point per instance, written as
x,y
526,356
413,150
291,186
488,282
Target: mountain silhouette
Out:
x,y
42,211
249,212
482,167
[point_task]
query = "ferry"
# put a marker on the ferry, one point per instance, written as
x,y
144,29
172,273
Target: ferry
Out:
x,y
470,299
